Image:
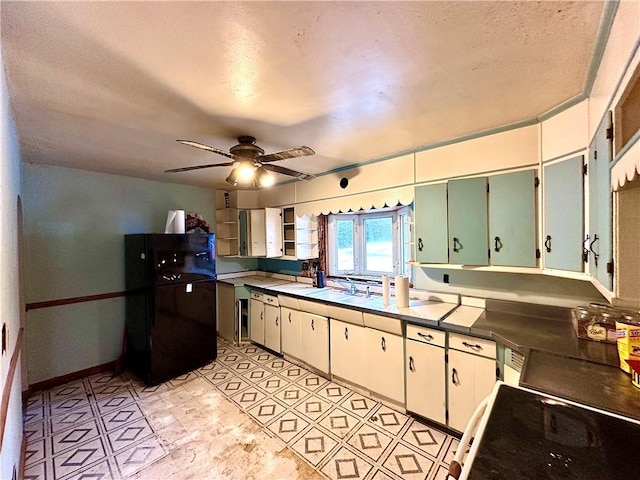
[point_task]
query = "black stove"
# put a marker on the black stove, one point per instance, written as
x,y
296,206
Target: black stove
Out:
x,y
529,435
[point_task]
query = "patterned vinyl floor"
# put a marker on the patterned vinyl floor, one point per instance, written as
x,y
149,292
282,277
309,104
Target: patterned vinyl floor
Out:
x,y
117,428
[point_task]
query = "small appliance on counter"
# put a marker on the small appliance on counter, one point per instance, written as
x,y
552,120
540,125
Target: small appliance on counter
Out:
x,y
171,304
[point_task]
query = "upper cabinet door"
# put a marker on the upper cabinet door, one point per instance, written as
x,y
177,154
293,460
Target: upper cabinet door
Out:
x,y
468,243
563,215
512,219
243,218
599,245
257,233
273,232
430,212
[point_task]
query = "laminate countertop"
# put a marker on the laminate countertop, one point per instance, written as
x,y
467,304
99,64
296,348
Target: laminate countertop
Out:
x,y
556,361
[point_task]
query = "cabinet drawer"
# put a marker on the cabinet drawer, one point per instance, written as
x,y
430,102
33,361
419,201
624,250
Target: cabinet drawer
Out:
x,y
345,314
257,296
290,302
426,335
384,324
479,346
271,300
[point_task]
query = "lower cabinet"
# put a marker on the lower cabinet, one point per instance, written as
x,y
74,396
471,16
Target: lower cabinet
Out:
x,y
471,375
315,340
369,357
385,364
348,352
272,327
425,369
291,333
264,314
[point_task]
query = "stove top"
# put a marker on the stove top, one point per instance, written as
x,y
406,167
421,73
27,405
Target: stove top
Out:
x,y
529,435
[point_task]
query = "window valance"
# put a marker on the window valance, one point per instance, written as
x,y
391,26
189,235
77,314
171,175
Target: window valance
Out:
x,y
389,198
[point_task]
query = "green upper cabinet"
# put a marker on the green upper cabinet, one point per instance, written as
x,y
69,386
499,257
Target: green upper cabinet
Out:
x,y
599,245
563,231
512,219
430,216
467,207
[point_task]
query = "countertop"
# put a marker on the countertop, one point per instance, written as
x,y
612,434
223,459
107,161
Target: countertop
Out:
x,y
557,362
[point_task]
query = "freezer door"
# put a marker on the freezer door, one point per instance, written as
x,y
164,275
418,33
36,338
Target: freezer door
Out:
x,y
183,334
182,258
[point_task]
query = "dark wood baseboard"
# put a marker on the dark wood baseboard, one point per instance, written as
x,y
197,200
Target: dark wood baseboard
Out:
x,y
69,377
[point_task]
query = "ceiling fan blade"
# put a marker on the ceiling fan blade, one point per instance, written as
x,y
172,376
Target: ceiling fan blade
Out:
x,y
288,153
202,146
197,167
288,171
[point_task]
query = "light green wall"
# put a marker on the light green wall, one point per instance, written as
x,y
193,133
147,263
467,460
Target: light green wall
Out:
x,y
74,225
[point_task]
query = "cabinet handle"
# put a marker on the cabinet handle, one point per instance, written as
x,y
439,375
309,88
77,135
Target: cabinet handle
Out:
x,y
289,317
261,315
547,244
427,336
420,245
383,344
585,249
455,378
595,255
457,246
473,346
346,333
411,366
312,325
276,321
498,244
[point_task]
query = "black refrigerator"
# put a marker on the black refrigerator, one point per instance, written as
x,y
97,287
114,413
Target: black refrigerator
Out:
x,y
171,304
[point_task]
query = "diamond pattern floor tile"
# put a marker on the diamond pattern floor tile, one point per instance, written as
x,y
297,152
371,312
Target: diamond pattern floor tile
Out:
x,y
117,428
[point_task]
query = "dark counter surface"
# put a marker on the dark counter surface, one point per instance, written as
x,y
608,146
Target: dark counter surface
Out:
x,y
591,383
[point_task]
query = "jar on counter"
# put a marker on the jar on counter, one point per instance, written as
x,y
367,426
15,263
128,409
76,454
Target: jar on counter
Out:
x,y
581,317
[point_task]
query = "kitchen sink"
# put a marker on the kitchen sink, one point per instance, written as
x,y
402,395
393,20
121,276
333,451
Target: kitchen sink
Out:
x,y
328,294
357,299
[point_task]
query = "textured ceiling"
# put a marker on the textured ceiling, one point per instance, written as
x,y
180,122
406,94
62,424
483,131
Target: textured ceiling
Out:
x,y
110,86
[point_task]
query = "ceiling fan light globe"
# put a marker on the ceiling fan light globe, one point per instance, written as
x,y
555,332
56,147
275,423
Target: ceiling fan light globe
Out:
x,y
233,177
246,172
264,178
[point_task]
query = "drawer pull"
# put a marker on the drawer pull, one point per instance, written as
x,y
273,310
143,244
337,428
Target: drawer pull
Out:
x,y
383,344
411,366
473,346
312,325
346,333
427,336
455,378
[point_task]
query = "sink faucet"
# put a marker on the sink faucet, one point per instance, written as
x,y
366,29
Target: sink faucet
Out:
x,y
353,289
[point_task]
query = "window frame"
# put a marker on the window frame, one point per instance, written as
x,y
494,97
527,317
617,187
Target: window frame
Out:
x,y
399,242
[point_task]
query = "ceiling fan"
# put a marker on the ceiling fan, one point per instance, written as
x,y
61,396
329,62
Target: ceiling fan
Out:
x,y
251,165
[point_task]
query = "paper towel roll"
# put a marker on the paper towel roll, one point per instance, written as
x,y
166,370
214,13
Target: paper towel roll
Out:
x,y
171,216
402,291
179,222
385,290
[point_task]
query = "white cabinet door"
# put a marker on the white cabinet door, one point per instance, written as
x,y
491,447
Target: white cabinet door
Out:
x,y
425,370
256,313
291,333
272,327
273,222
315,341
470,378
348,352
385,364
257,233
